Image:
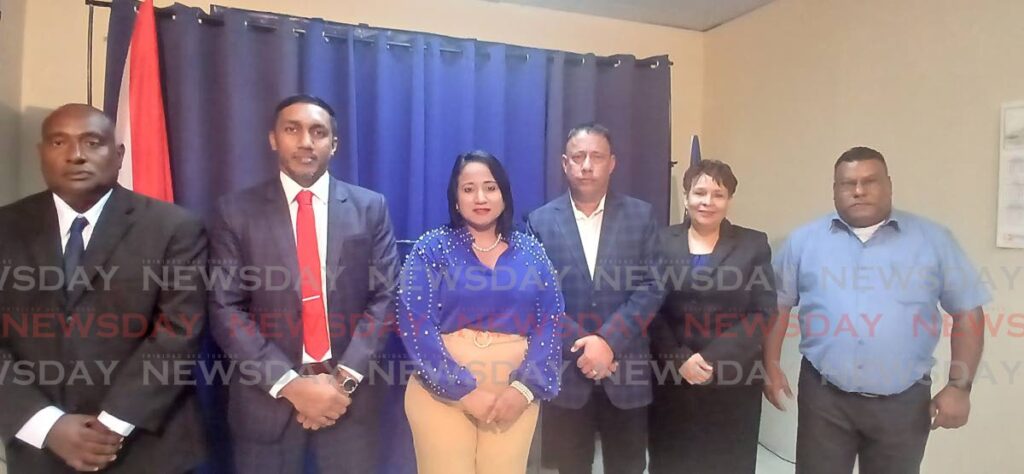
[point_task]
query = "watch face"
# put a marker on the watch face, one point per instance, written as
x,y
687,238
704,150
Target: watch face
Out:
x,y
349,385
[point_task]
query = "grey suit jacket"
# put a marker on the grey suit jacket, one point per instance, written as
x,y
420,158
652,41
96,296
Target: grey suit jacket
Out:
x,y
617,303
130,315
258,320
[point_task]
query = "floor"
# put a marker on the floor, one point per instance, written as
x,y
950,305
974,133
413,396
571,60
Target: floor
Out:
x,y
767,463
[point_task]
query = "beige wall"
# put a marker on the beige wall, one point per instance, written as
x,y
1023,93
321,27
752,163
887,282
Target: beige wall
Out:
x,y
56,32
792,85
12,34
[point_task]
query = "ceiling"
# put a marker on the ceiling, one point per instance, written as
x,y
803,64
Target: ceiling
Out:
x,y
697,15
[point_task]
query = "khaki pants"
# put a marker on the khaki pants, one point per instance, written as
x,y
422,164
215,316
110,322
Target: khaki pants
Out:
x,y
450,441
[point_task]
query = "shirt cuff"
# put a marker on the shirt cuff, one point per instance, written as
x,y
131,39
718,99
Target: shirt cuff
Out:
x,y
115,424
355,375
34,430
275,391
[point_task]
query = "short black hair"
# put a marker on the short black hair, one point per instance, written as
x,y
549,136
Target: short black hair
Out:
x,y
592,128
860,153
307,99
718,171
504,225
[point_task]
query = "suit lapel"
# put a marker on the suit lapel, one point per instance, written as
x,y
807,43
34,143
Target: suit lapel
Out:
x,y
677,250
566,223
336,221
609,230
116,219
42,237
278,221
726,244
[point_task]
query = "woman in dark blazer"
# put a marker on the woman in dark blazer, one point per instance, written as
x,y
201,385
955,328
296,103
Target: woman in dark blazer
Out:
x,y
707,335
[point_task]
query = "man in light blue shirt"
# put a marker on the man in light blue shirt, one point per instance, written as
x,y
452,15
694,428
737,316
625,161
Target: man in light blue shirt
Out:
x,y
867,280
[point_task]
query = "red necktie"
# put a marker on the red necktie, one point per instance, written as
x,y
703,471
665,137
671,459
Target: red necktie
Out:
x,y
314,321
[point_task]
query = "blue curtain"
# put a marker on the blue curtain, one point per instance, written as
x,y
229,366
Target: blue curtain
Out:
x,y
408,103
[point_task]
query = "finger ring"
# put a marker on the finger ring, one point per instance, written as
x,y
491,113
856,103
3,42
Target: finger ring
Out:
x,y
593,372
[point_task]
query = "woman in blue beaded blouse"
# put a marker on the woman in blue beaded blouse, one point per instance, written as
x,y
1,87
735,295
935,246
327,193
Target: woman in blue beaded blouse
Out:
x,y
479,311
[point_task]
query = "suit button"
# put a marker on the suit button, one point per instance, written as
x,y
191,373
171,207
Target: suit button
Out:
x,y
593,304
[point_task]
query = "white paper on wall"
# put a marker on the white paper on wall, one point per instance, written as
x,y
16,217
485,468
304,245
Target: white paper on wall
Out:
x,y
1010,216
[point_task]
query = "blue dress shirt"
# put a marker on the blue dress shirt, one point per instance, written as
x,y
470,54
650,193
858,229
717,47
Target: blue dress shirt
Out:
x,y
868,316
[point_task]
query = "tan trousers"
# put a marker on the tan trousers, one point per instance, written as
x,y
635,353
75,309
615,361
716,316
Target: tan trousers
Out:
x,y
450,441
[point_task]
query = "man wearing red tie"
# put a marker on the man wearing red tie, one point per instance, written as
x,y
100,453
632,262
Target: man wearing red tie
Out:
x,y
313,332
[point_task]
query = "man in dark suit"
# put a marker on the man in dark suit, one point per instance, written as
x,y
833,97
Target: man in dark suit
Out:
x,y
312,334
94,328
602,244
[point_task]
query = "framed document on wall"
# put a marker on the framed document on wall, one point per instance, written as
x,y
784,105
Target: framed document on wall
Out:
x,y
1010,216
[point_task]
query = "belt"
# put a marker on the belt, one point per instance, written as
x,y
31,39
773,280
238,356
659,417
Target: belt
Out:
x,y
484,339
826,382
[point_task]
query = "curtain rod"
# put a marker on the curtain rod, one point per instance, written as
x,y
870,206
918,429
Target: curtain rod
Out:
x,y
265,22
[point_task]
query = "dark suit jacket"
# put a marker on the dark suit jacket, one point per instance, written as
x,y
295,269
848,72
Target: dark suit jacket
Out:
x,y
134,235
617,303
261,323
720,311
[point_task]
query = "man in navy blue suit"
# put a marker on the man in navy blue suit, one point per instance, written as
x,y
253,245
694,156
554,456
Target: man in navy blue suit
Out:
x,y
314,336
603,246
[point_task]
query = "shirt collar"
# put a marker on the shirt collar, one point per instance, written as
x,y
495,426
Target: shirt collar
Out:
x,y
837,223
320,189
580,215
66,215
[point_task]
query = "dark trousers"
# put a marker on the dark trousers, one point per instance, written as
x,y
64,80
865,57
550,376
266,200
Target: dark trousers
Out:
x,y
331,450
568,437
348,447
888,434
704,429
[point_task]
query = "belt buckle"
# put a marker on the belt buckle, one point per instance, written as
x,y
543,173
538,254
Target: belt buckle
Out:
x,y
482,345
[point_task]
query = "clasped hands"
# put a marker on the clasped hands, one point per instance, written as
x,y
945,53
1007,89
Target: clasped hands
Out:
x,y
318,399
597,360
85,444
500,409
696,370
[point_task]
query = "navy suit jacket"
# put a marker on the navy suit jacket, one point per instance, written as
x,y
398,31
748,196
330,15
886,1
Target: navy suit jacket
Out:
x,y
617,303
260,322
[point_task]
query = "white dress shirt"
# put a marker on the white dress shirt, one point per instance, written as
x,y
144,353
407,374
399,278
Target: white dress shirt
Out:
x,y
321,191
590,231
35,430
